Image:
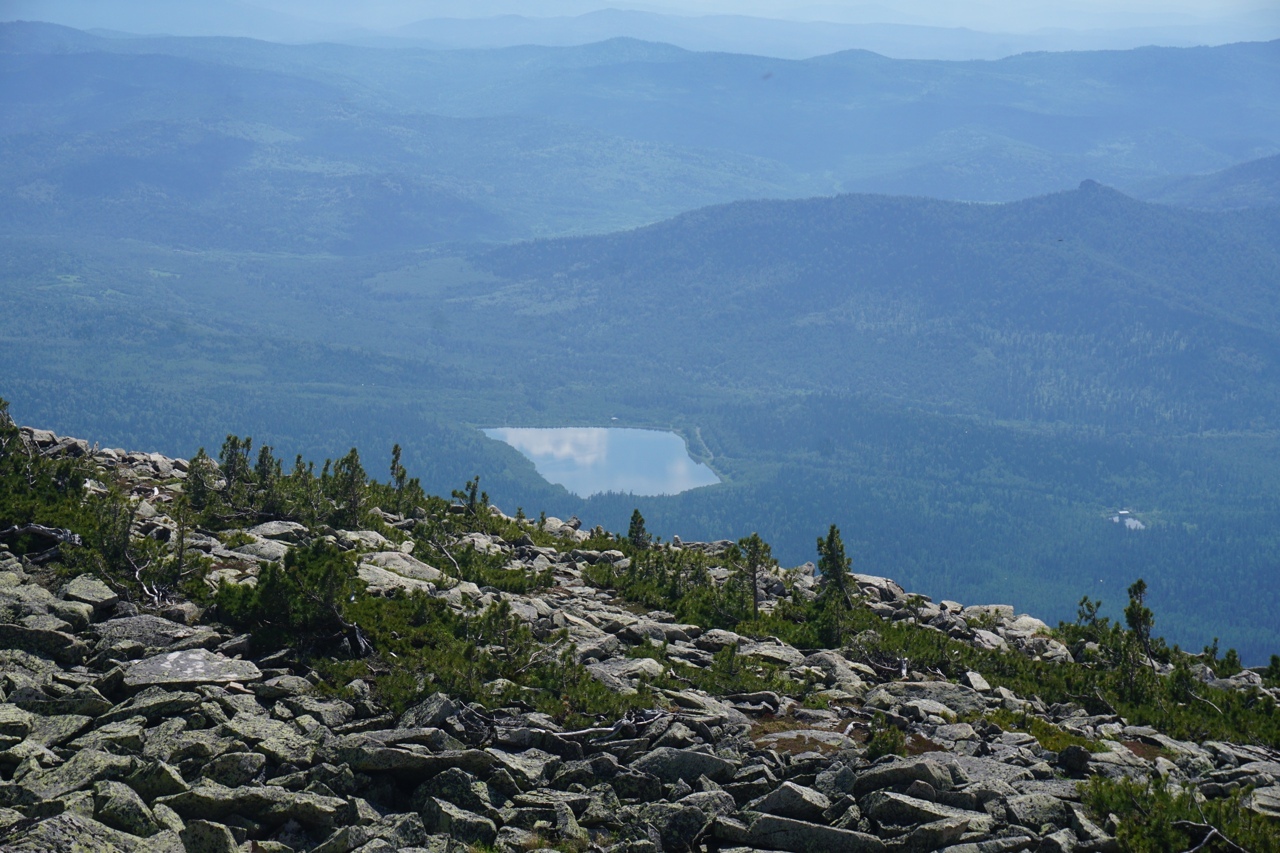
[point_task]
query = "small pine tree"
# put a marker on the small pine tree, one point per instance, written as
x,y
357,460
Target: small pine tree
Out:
x,y
239,490
299,603
1230,664
757,559
1137,680
836,593
885,739
399,477
201,483
1272,673
303,494
271,498
470,496
835,567
636,533
347,490
1138,616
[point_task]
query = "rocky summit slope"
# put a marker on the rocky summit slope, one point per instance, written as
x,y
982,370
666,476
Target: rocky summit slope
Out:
x,y
141,725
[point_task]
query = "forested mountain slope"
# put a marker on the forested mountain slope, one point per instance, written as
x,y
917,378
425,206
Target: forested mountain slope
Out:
x,y
1086,308
971,391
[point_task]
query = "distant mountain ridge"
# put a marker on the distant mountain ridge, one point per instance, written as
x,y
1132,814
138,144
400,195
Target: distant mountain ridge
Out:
x,y
1252,184
303,146
787,39
917,34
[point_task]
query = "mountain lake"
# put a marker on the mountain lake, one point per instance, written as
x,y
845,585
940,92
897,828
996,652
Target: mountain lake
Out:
x,y
591,460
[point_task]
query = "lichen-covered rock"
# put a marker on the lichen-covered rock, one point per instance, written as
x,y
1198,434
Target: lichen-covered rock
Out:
x,y
671,765
960,699
443,816
1035,810
91,591
58,646
153,704
156,779
84,700
458,787
1265,801
267,550
792,800
119,806
269,805
892,809
898,773
189,667
432,712
124,736
57,729
769,832
74,833
286,531
154,632
14,722
81,770
202,836
281,687
234,769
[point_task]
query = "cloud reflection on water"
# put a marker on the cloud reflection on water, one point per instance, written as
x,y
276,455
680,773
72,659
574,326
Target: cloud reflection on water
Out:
x,y
590,460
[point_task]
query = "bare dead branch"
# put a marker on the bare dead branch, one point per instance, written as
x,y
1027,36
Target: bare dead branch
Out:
x,y
1206,833
56,534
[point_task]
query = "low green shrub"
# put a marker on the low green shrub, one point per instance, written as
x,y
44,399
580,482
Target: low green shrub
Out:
x,y
885,739
1153,819
1048,735
299,603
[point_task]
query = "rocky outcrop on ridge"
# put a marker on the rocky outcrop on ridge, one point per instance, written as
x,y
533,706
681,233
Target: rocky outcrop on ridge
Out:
x,y
135,726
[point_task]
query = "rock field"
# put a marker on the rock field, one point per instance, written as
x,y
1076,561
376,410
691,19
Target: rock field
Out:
x,y
131,727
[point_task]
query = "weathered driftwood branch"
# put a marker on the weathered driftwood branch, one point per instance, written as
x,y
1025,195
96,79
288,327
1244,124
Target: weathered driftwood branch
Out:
x,y
54,534
1206,834
443,550
1199,698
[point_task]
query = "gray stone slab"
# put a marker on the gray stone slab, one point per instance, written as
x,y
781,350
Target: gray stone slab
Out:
x,y
770,832
153,632
91,591
191,666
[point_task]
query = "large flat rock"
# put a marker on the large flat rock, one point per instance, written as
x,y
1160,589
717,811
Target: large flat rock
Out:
x,y
960,699
1265,801
73,832
899,773
154,632
91,591
54,645
888,808
81,770
191,666
671,765
380,581
770,832
405,565
269,805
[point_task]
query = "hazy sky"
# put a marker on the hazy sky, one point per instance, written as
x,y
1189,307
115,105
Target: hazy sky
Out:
x,y
979,14
990,15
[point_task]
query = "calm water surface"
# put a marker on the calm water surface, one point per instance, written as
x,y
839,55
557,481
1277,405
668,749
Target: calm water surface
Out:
x,y
590,460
